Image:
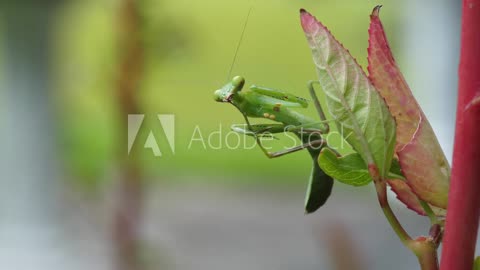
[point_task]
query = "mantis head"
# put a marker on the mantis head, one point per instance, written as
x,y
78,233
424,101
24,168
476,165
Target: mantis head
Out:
x,y
226,93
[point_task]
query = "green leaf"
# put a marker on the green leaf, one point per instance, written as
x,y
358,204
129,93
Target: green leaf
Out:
x,y
359,111
351,169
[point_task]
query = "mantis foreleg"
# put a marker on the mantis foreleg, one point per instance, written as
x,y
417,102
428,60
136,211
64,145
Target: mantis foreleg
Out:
x,y
317,143
280,128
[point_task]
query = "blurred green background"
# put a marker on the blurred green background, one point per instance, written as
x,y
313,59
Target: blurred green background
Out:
x,y
71,197
189,48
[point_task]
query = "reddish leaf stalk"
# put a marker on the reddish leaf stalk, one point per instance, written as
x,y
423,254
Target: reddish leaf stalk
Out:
x,y
464,198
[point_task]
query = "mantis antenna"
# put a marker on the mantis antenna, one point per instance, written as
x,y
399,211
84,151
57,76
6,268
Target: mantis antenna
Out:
x,y
239,43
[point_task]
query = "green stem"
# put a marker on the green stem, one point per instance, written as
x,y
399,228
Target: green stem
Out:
x,y
424,249
428,210
381,187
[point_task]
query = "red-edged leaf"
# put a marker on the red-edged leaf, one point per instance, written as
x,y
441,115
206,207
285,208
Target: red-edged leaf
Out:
x,y
405,195
421,158
425,167
387,78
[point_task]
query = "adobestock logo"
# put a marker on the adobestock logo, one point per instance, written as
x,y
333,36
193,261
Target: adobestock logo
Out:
x,y
238,137
166,122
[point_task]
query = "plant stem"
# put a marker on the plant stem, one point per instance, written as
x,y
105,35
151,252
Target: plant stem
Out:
x,y
428,262
426,253
428,210
381,187
424,248
464,199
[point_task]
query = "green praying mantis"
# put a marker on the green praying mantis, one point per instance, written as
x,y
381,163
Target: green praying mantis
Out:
x,y
276,105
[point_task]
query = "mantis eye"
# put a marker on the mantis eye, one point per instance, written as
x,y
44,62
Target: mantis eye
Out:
x,y
218,96
238,82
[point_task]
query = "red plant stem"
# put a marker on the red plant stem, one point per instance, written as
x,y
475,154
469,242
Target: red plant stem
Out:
x,y
464,196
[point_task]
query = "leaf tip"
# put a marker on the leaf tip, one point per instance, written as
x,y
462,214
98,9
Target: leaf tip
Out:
x,y
308,21
376,11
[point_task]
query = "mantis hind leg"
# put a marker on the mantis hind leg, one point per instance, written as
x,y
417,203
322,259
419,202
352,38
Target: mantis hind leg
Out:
x,y
317,104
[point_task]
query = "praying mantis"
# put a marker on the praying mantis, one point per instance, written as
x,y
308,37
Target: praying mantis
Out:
x,y
276,105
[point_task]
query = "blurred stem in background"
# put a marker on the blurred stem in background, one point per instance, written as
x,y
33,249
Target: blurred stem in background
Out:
x,y
129,200
342,248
